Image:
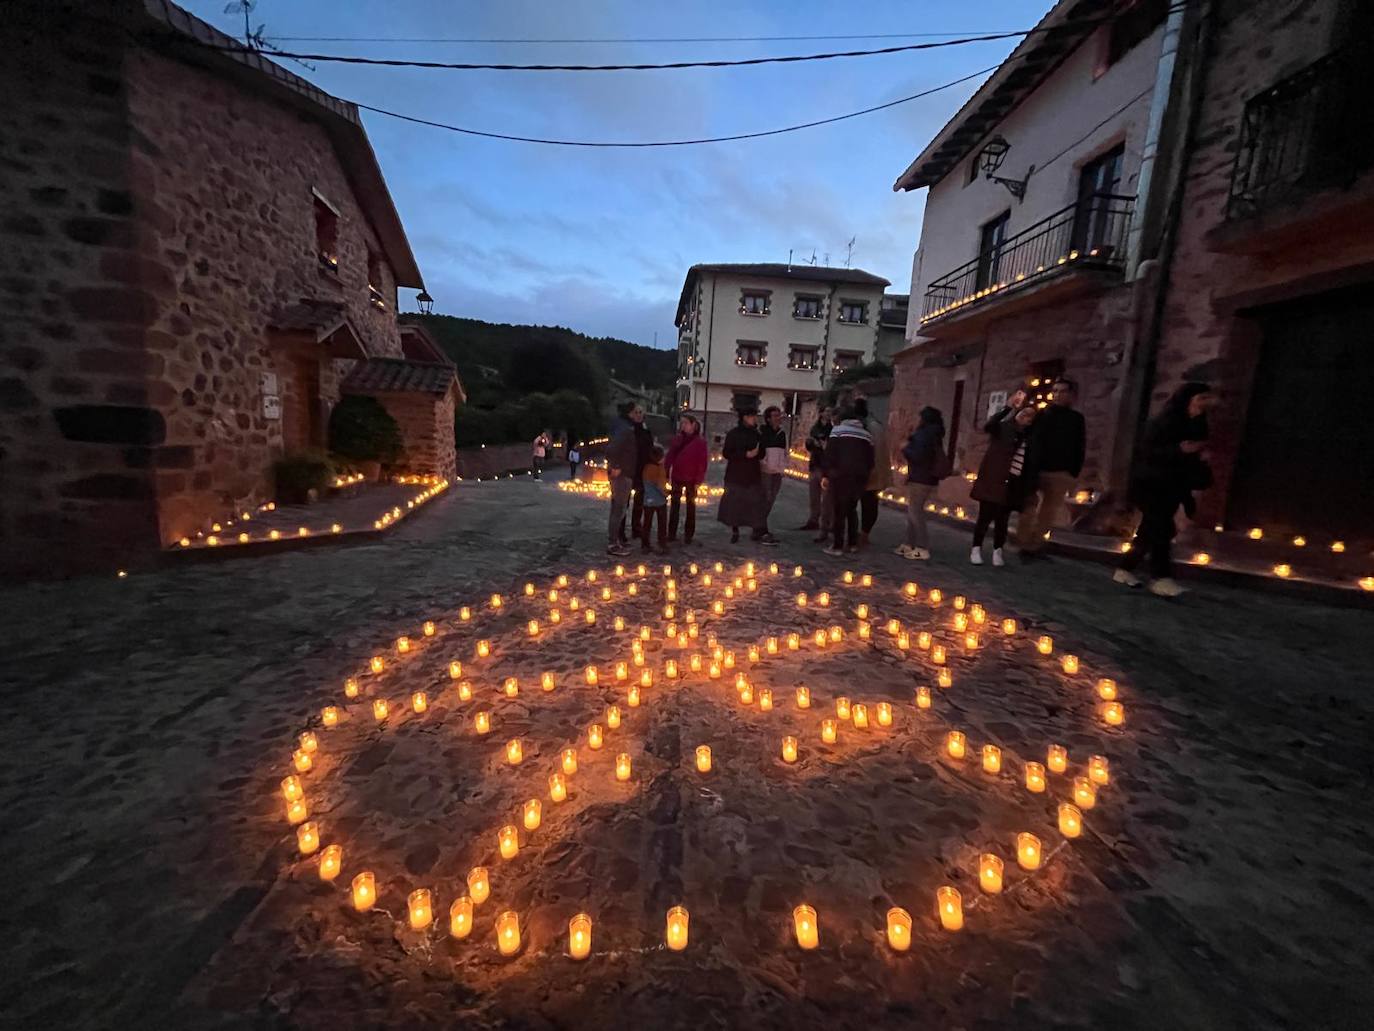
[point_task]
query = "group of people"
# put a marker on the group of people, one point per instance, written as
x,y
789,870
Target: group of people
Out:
x,y
848,467
651,484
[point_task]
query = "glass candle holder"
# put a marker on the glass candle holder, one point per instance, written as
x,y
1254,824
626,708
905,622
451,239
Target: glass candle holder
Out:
x,y
893,628
1098,769
936,596
1009,627
594,736
1070,820
898,929
670,669
511,687
1084,794
771,646
789,749
351,687
675,933
419,702
364,891
508,933
464,614
481,722
377,664
308,837
828,731
464,691
923,698
331,862
623,766
884,714
960,622
1069,663
765,700
580,936
821,638
865,630
842,707
515,752
380,710
329,715
483,649
950,906
308,742
990,873
632,696
508,838
1057,758
703,758
569,760
291,788
944,678
1106,689
923,640
1114,713
858,712
1028,851
558,787
793,642
547,681
1035,777
803,697
533,814
296,812
955,744
613,716
903,640
1045,645
992,759
532,628
806,927
937,654
420,909
460,917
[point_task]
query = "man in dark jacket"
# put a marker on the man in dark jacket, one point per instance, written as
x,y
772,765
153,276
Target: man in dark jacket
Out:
x,y
644,447
848,460
819,516
622,456
1055,456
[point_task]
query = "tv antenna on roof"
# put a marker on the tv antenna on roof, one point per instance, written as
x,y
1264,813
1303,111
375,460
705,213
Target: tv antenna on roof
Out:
x,y
255,39
849,251
813,255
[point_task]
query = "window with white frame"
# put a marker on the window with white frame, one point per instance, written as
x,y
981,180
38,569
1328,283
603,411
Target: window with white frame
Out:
x,y
754,302
806,306
751,352
803,358
855,312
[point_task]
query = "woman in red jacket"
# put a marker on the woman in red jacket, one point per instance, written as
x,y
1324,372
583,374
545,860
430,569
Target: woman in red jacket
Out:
x,y
686,466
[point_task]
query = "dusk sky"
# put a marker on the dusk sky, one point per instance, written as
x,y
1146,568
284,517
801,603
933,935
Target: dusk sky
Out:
x,y
600,240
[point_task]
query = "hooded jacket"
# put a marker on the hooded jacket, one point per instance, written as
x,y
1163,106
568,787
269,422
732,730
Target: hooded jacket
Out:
x,y
923,449
849,454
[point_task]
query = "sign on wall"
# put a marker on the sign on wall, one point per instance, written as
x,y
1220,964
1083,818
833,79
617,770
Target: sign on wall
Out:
x,y
271,399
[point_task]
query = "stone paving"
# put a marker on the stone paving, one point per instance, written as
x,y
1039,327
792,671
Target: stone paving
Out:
x,y
1221,879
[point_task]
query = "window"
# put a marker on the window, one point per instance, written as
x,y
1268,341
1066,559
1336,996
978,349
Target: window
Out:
x,y
990,239
374,281
804,359
972,168
846,360
751,352
806,306
1041,380
744,400
326,234
1130,27
753,302
854,311
1099,180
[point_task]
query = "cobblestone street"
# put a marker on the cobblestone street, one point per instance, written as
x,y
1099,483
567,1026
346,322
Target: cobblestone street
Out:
x,y
1221,880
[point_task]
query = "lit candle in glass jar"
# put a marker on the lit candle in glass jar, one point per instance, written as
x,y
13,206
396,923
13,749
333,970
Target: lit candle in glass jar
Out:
x,y
508,933
1113,713
898,929
558,787
694,663
936,596
532,628
308,837
460,917
1098,771
951,907
960,622
291,788
380,709
455,670
789,749
980,615
300,758
515,753
622,766
546,681
594,736
1084,794
364,891
803,697
465,613
670,669
569,760
807,927
1035,777
329,715
793,641
1044,645
1057,758
823,599
378,664
842,707
622,671
923,698
959,602
903,640
1028,851
483,648
820,638
419,701
1009,627
428,628
865,631
675,934
910,589
511,687
801,600
481,722
509,840
955,744
944,678
351,687
937,654
296,811
331,862
765,700
613,716
1069,663
309,743
580,936
618,623
1106,689
859,714
866,580
479,884
632,696
704,758
713,671
464,691
836,634
771,646
990,873
828,731
1070,820
992,759
420,909
533,813
496,601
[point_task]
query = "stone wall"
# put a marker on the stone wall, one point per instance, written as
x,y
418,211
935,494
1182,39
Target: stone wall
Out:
x,y
426,422
474,462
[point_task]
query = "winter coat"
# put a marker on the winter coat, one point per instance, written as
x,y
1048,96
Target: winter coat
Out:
x,y
739,468
995,483
1058,440
622,453
774,456
687,458
815,442
655,485
1163,471
881,474
644,448
922,450
849,455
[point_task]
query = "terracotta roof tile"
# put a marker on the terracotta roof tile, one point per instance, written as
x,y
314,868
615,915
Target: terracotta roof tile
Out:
x,y
399,374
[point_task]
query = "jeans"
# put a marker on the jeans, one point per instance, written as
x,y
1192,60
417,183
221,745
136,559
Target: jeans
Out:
x,y
772,483
844,512
917,534
1042,510
572,470
820,502
679,493
660,513
990,512
868,510
620,497
1154,537
536,466
637,509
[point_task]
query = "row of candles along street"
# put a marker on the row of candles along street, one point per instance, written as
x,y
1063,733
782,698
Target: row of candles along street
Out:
x,y
806,924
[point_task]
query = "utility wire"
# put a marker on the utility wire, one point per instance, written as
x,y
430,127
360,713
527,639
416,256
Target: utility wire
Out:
x,y
677,143
620,39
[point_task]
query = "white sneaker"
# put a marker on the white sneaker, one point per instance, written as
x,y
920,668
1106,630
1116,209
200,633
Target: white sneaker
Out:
x,y
1165,588
1123,576
976,556
902,549
997,559
919,553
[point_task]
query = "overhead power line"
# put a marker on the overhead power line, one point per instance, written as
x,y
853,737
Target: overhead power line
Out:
x,y
623,39
677,143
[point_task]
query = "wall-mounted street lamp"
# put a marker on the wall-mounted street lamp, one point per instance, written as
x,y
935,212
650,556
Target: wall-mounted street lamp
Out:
x,y
425,302
992,155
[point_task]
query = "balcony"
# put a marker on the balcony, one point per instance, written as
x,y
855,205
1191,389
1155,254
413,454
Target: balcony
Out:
x,y
1082,246
1302,163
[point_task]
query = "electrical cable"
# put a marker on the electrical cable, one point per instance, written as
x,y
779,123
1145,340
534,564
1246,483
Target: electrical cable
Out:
x,y
623,39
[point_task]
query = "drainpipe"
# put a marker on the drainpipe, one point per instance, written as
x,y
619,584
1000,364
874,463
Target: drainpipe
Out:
x,y
710,335
1159,103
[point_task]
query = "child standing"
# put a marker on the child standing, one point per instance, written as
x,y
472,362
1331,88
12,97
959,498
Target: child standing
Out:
x,y
655,499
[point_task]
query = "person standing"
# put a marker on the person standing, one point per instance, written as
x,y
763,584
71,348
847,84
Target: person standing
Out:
x,y
818,517
1000,486
621,457
644,446
686,462
574,459
655,500
1170,464
742,502
879,478
773,459
926,465
539,450
848,461
1057,445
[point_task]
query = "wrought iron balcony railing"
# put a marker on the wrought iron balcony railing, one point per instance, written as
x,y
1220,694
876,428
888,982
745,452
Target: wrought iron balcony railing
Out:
x,y
1301,135
1088,234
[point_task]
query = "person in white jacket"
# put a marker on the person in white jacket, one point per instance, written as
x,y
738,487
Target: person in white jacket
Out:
x,y
773,461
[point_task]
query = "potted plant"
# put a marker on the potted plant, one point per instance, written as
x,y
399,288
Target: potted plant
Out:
x,y
301,478
363,432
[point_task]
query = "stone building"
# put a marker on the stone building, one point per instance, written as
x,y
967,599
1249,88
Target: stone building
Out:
x,y
196,246
1218,208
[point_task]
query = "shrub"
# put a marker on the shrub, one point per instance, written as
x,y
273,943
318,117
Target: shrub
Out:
x,y
362,430
297,475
